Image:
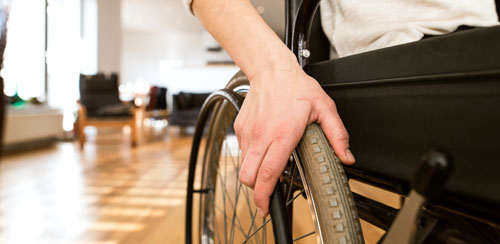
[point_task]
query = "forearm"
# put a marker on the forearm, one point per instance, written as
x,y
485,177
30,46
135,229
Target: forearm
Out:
x,y
237,26
282,99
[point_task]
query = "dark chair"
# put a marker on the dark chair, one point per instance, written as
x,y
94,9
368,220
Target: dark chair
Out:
x,y
186,107
157,106
100,106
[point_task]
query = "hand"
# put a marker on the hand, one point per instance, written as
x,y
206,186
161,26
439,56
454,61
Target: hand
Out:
x,y
274,115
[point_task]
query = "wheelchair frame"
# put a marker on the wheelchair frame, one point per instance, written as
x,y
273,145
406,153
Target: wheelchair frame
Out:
x,y
467,214
438,220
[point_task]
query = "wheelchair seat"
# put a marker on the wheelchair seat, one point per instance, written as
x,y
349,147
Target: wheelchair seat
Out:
x,y
438,93
462,52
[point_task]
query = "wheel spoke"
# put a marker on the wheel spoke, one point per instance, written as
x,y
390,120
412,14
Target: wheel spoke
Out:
x,y
251,223
224,189
217,232
304,236
264,235
235,221
238,225
225,192
290,184
245,190
257,230
230,197
234,214
238,189
252,215
295,197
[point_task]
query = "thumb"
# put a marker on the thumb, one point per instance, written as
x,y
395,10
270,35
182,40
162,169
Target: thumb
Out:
x,y
335,131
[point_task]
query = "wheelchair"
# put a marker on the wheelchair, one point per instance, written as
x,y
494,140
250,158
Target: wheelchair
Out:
x,y
424,123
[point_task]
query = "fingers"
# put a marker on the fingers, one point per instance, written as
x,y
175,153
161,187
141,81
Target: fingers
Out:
x,y
252,161
270,170
335,131
238,129
242,125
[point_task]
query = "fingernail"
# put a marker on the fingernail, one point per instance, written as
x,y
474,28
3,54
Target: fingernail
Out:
x,y
260,212
349,155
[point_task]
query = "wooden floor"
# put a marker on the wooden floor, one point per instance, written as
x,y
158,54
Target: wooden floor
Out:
x,y
108,193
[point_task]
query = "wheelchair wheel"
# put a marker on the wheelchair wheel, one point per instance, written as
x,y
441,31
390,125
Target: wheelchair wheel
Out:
x,y
227,213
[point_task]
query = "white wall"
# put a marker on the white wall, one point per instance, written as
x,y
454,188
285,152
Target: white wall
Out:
x,y
88,37
109,35
201,79
163,44
101,36
143,52
176,60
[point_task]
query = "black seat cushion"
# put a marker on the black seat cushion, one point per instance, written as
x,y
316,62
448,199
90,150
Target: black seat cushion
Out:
x,y
440,93
118,110
456,53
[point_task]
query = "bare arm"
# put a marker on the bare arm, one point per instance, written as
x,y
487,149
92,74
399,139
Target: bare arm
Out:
x,y
282,99
244,35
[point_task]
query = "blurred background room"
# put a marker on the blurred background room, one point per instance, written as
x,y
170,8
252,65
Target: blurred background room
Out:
x,y
101,98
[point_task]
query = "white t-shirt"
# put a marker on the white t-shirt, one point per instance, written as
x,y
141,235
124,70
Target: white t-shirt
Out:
x,y
355,26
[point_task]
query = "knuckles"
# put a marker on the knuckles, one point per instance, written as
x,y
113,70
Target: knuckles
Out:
x,y
246,178
342,135
266,174
257,133
328,102
238,125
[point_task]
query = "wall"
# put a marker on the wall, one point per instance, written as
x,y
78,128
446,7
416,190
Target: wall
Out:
x,y
109,35
162,44
143,53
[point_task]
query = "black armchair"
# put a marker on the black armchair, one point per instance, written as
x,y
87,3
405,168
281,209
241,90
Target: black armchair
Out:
x,y
100,106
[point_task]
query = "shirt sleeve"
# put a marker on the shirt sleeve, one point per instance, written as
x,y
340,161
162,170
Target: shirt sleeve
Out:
x,y
188,5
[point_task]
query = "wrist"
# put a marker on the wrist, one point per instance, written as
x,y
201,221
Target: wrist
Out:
x,y
277,62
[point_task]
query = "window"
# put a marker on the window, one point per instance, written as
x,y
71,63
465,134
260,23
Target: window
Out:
x,y
24,63
63,57
26,72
